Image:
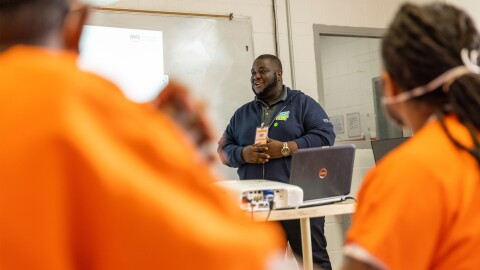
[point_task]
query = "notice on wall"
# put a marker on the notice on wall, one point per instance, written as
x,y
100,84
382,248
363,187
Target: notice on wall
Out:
x,y
353,125
338,124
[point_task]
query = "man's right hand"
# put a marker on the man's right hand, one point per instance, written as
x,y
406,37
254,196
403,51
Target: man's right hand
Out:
x,y
189,113
255,154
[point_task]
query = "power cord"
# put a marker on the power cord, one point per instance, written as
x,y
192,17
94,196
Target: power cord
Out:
x,y
350,198
250,201
271,203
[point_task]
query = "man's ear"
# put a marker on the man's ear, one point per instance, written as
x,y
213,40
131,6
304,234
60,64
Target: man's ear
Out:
x,y
388,84
73,26
279,74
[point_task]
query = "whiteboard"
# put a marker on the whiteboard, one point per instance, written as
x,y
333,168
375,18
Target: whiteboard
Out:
x,y
131,58
212,57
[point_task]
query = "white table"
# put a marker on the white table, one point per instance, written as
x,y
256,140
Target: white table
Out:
x,y
304,214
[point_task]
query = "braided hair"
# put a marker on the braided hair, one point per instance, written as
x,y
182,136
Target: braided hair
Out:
x,y
424,42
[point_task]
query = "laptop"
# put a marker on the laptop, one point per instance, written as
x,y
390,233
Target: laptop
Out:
x,y
324,173
381,147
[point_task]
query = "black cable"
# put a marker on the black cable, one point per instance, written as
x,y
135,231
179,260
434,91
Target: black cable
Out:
x,y
271,203
251,208
270,206
350,198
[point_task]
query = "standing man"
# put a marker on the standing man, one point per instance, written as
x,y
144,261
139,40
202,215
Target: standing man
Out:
x,y
291,120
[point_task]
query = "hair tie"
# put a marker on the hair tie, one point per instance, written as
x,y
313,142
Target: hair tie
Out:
x,y
470,61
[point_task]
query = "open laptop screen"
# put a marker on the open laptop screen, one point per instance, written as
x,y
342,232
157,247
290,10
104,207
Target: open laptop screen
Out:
x,y
324,173
381,147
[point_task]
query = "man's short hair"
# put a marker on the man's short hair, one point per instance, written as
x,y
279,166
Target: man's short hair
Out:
x,y
30,21
275,60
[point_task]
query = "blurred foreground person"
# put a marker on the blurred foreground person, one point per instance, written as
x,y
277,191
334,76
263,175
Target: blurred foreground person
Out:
x,y
420,207
89,180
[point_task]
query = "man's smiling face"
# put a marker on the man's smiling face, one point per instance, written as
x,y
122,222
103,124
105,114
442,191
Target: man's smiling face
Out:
x,y
264,78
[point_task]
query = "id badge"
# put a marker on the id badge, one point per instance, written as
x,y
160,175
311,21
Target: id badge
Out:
x,y
261,135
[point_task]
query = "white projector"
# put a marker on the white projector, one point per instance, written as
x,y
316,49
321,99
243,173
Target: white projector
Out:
x,y
261,195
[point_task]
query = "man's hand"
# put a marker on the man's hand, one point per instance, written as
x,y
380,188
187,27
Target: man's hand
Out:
x,y
274,148
255,154
176,102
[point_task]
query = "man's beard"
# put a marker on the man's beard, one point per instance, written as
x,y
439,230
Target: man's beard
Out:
x,y
267,90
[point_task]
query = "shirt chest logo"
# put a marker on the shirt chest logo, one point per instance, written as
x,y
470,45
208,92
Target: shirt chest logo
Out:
x,y
282,116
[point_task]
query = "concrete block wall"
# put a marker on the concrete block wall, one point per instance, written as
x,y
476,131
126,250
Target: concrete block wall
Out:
x,y
348,66
304,13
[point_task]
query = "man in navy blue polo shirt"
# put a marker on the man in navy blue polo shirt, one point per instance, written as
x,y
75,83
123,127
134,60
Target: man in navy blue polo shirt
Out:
x,y
264,133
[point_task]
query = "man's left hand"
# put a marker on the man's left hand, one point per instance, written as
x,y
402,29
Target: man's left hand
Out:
x,y
274,148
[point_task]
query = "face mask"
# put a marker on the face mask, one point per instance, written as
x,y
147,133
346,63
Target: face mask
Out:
x,y
445,79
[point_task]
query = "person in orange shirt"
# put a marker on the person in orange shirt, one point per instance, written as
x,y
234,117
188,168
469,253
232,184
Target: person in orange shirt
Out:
x,y
419,208
89,180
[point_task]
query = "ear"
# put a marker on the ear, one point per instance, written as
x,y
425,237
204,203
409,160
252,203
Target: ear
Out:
x,y
279,74
73,26
389,86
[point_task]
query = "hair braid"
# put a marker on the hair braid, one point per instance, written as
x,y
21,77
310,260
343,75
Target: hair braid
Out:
x,y
466,96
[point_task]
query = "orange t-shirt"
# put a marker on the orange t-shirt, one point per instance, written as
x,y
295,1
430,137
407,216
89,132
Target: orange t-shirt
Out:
x,y
90,180
420,207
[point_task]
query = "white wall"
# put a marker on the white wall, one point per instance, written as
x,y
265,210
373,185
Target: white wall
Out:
x,y
304,13
472,7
